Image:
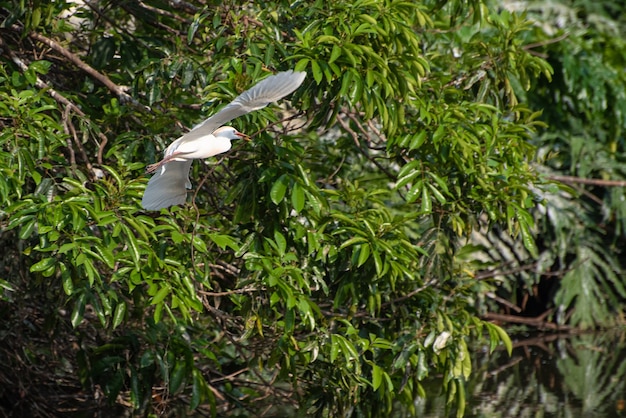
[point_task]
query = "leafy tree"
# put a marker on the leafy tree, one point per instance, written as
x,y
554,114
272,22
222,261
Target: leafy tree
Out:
x,y
328,264
579,269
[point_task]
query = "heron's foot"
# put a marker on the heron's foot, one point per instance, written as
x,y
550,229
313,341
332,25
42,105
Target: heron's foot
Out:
x,y
154,167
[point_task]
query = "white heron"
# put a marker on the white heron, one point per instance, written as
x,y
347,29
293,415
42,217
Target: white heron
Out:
x,y
168,186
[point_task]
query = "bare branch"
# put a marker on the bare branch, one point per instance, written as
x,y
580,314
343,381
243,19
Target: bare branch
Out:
x,y
355,137
594,182
164,13
538,321
188,7
39,83
120,91
103,143
246,289
69,130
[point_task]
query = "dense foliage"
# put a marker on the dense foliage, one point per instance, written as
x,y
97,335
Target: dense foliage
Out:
x,y
333,263
579,270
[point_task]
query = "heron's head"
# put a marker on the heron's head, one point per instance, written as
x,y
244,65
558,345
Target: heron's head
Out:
x,y
230,133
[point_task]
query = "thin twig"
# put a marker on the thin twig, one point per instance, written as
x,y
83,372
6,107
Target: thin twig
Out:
x,y
231,376
355,137
511,363
377,131
103,143
165,13
538,321
247,289
410,294
503,301
353,134
69,130
154,22
282,122
493,273
364,314
188,7
582,180
546,42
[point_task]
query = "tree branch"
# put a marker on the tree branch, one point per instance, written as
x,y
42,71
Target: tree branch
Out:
x,y
120,91
594,182
538,321
355,138
58,97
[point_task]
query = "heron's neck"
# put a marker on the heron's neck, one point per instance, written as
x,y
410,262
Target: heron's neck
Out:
x,y
221,144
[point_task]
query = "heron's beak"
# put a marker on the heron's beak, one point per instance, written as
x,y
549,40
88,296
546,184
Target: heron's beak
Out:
x,y
243,136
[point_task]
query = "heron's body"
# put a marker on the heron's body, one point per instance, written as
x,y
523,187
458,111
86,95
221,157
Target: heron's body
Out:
x,y
200,147
168,185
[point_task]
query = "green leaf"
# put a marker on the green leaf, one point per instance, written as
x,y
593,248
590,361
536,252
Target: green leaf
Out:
x,y
460,412
414,191
35,18
158,312
79,310
44,264
120,312
193,27
417,140
502,336
163,292
427,204
177,376
199,244
402,181
281,243
302,64
438,195
41,66
422,367
224,241
66,278
377,376
106,255
188,74
353,241
364,253
378,263
133,245
528,238
199,390
335,53
318,75
297,197
154,93
334,348
277,193
6,286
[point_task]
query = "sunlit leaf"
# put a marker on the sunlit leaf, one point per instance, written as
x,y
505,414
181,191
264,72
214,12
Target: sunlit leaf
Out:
x,y
278,190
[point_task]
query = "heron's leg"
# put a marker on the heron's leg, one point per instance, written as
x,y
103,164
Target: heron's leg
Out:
x,y
154,167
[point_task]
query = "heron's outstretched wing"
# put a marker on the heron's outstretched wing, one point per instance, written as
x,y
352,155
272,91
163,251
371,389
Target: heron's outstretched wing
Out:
x,y
268,90
169,187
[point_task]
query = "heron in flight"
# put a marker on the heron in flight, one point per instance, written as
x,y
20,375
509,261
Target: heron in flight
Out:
x,y
168,186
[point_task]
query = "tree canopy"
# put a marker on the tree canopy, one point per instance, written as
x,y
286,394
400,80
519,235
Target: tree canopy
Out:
x,y
442,164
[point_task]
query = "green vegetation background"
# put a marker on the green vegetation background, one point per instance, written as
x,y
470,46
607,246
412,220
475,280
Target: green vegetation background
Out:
x,y
443,161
